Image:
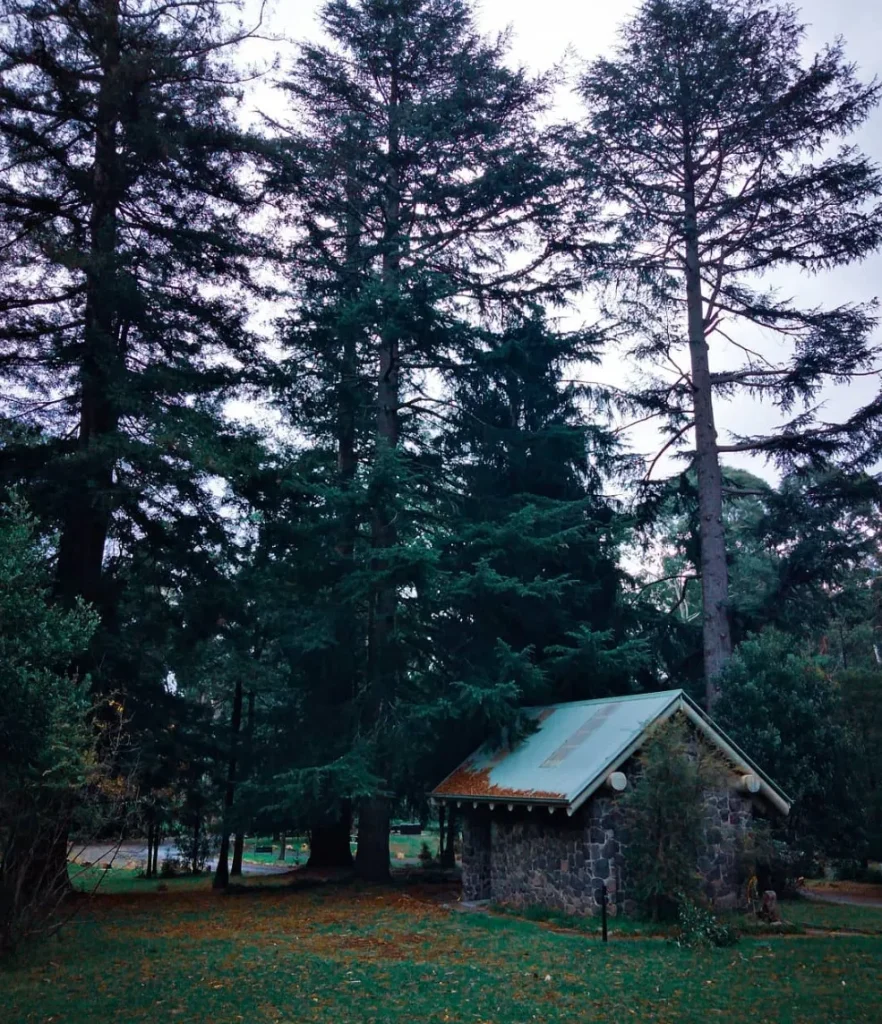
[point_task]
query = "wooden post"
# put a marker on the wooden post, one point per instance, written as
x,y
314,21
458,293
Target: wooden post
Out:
x,y
603,901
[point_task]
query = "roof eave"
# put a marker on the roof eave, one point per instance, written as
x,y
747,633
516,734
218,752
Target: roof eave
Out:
x,y
773,793
524,801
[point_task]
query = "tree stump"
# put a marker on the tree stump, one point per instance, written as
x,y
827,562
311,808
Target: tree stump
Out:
x,y
769,911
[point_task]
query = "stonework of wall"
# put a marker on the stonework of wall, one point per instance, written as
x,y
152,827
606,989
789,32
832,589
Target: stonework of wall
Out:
x,y
562,863
727,824
476,855
553,860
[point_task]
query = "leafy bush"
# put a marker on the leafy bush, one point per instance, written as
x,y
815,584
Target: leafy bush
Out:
x,y
194,845
775,862
780,705
49,774
855,871
697,926
665,817
170,867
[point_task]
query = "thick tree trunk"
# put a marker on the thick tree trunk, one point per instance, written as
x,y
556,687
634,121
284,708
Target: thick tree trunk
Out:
x,y
372,854
239,844
282,846
329,844
717,640
88,511
156,841
238,851
222,873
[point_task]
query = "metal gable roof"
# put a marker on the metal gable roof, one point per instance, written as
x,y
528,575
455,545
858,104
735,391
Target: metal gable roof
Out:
x,y
575,747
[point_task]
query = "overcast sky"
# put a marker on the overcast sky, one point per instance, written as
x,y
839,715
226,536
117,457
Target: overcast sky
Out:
x,y
544,30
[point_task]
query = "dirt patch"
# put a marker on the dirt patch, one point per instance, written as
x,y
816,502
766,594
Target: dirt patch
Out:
x,y
337,919
846,892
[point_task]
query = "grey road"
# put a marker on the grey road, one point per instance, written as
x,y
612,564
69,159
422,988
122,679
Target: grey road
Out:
x,y
134,855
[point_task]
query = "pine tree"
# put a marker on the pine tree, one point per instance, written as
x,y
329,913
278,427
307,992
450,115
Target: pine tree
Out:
x,y
123,196
416,171
528,604
124,192
710,140
529,466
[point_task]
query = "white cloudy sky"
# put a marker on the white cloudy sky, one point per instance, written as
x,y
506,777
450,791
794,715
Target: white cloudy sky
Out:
x,y
544,30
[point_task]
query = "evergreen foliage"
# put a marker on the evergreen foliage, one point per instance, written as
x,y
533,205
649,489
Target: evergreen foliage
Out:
x,y
45,732
665,817
780,702
710,141
303,627
123,199
416,171
802,556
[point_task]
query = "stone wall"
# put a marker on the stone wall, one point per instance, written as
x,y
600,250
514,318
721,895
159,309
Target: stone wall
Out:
x,y
727,824
526,858
476,854
558,861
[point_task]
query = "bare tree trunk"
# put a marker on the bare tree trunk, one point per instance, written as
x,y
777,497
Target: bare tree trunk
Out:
x,y
372,855
194,853
239,844
222,872
156,840
448,858
442,813
150,832
329,844
717,639
282,846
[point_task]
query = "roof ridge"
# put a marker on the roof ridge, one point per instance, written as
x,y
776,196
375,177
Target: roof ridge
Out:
x,y
605,700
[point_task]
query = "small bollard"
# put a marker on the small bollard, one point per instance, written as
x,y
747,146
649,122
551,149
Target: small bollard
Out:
x,y
603,899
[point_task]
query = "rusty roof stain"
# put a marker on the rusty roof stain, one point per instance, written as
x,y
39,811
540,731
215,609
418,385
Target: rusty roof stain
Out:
x,y
466,781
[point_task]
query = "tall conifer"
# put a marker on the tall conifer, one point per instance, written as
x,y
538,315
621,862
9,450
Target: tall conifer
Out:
x,y
711,140
415,163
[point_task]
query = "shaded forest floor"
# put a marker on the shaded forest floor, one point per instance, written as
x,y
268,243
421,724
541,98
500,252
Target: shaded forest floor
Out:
x,y
274,953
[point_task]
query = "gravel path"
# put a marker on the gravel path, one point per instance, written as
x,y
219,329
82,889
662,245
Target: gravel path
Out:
x,y
842,898
134,855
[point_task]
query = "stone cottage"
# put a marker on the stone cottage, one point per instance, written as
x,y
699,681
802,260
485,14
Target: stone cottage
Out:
x,y
542,822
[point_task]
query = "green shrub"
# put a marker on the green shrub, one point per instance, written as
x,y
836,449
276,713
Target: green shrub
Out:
x,y
51,780
664,816
855,871
781,705
697,926
170,868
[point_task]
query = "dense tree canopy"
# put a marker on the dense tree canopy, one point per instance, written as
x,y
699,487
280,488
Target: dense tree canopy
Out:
x,y
301,626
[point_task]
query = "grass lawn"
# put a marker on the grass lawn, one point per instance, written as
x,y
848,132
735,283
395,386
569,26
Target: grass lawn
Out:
x,y
358,954
814,914
297,848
